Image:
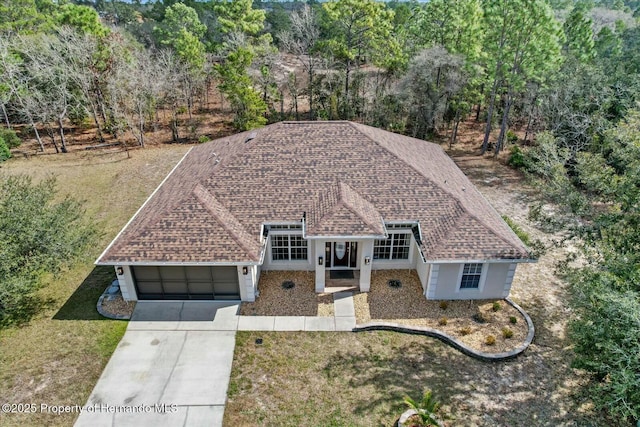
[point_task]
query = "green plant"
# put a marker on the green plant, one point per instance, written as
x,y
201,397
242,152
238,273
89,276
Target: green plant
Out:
x,y
426,408
507,333
442,321
38,234
490,340
5,154
513,319
496,306
203,138
517,159
522,235
512,137
9,137
465,331
444,305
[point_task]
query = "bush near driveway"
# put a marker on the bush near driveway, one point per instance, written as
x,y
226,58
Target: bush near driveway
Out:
x,y
38,235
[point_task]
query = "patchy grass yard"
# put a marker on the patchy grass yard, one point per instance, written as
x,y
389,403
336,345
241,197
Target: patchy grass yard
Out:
x,y
360,379
57,358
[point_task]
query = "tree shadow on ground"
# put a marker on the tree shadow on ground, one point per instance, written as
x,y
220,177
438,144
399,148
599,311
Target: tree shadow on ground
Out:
x,y
500,393
81,305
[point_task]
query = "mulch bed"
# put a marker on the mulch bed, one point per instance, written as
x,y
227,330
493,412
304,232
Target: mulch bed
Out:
x,y
117,306
299,300
406,305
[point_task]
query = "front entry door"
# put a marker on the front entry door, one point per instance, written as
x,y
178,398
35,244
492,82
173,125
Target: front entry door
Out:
x,y
341,254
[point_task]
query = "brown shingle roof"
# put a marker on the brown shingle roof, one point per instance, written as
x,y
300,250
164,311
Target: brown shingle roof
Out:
x,y
341,211
347,177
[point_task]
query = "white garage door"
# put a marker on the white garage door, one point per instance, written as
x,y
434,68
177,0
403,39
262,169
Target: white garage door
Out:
x,y
186,282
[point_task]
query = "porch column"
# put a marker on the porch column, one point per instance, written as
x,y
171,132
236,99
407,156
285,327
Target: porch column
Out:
x,y
365,269
319,253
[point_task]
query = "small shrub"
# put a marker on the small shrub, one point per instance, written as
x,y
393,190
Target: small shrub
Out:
x,y
203,138
442,321
465,331
480,317
444,305
516,158
4,151
507,333
513,319
490,340
496,306
9,137
512,137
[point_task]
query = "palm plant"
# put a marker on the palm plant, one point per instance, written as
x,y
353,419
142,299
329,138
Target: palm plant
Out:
x,y
426,408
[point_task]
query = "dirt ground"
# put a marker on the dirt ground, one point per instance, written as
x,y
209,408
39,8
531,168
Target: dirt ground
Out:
x,y
545,366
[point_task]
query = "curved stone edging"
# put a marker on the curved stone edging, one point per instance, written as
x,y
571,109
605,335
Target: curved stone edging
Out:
x,y
447,339
109,315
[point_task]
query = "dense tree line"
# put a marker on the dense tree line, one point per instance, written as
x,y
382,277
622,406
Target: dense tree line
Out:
x,y
564,71
413,68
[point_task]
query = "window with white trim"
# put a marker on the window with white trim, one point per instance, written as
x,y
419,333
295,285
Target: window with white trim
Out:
x,y
285,247
395,247
471,274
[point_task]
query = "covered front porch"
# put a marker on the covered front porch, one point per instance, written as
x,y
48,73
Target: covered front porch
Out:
x,y
343,263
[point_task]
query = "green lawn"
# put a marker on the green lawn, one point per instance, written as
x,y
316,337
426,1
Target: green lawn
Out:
x,y
57,358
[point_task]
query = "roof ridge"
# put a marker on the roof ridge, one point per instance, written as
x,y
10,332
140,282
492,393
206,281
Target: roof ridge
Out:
x,y
228,221
339,196
437,184
342,186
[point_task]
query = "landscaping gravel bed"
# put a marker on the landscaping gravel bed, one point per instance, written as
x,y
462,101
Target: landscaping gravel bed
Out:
x,y
407,306
299,300
117,306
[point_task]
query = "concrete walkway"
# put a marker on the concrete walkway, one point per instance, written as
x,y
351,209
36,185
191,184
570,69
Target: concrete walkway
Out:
x,y
173,365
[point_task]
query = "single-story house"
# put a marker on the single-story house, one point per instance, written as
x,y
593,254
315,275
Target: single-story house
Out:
x,y
314,196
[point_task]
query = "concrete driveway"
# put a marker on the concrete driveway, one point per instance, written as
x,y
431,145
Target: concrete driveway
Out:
x,y
171,368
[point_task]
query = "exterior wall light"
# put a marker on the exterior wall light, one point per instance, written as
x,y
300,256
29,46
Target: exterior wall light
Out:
x,y
320,260
367,260
245,270
119,271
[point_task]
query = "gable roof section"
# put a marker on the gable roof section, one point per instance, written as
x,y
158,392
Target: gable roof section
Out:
x,y
348,177
229,223
341,211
